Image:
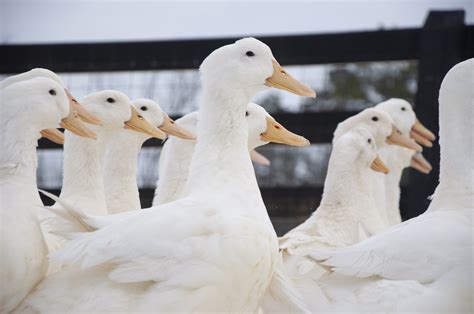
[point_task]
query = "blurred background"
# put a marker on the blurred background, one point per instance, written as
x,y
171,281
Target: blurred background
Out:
x,y
353,53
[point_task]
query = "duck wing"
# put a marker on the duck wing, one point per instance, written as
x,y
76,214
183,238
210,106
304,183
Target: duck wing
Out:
x,y
420,249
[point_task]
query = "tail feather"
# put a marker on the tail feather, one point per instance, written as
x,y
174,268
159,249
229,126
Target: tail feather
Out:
x,y
73,216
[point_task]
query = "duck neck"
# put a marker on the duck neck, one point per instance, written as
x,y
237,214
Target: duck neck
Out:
x,y
355,187
347,200
120,172
221,162
83,172
456,140
18,158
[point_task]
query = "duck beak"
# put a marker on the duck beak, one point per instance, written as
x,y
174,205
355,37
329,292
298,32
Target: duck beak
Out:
x,y
85,115
139,124
283,80
170,127
396,138
421,134
54,135
74,124
259,159
419,163
379,166
276,133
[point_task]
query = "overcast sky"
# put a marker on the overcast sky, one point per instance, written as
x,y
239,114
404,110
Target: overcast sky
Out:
x,y
34,21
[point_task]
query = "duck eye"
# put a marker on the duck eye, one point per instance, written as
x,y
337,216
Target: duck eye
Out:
x,y
403,108
375,118
110,100
369,140
249,53
246,113
143,108
52,92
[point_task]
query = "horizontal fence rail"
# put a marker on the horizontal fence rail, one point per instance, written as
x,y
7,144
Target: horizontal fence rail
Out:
x,y
188,54
443,41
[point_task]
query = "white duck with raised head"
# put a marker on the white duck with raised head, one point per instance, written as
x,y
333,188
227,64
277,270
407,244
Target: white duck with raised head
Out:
x,y
120,168
212,250
27,108
434,250
176,154
387,188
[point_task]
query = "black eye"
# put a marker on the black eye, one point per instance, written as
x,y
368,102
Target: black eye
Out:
x,y
52,92
403,108
249,53
375,118
369,140
143,108
246,113
110,100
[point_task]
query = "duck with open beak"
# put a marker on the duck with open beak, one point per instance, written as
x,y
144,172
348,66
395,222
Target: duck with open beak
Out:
x,y
139,124
397,138
422,135
277,133
171,128
283,80
379,166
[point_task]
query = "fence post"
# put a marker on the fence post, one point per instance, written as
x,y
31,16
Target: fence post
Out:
x,y
442,44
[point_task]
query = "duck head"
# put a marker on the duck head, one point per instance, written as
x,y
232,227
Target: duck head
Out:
x,y
152,112
406,121
41,104
76,110
248,66
382,127
116,112
361,143
263,129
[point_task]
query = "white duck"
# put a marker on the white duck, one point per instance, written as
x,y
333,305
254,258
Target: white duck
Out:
x,y
337,221
213,250
83,184
120,168
53,134
375,120
387,188
433,250
176,154
27,108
